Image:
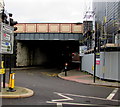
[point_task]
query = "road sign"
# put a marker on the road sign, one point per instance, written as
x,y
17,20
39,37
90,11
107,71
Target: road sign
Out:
x,y
6,39
82,49
98,61
98,58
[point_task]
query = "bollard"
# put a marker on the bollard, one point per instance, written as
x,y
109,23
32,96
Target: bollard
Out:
x,y
11,83
66,64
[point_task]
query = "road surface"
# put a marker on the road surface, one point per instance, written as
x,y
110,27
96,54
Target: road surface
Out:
x,y
53,91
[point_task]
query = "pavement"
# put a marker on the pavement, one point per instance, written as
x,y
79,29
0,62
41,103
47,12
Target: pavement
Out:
x,y
72,75
86,78
20,92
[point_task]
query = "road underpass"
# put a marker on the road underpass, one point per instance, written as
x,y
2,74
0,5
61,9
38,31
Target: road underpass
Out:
x,y
50,53
49,44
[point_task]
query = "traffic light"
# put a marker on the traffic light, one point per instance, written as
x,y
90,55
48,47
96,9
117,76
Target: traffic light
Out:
x,y
12,22
4,17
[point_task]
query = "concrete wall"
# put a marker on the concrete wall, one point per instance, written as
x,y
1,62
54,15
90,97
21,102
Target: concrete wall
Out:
x,y
22,55
108,68
28,56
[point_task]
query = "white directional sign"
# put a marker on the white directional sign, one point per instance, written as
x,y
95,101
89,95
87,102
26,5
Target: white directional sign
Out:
x,y
6,39
82,49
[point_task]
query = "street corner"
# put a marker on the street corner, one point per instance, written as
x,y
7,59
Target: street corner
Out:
x,y
61,75
68,76
20,92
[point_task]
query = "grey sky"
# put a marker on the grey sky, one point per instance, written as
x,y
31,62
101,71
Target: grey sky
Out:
x,y
42,11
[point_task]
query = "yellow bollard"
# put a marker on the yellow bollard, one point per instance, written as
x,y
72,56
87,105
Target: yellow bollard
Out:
x,y
13,80
11,83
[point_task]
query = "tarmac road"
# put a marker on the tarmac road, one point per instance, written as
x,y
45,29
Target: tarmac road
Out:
x,y
52,90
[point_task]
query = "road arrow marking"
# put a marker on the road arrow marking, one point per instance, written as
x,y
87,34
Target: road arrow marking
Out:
x,y
60,94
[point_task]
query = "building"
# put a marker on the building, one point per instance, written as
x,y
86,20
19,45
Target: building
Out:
x,y
107,33
107,18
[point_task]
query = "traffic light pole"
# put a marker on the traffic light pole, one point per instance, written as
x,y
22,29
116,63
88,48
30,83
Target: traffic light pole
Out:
x,y
4,75
10,66
2,60
9,25
95,57
96,51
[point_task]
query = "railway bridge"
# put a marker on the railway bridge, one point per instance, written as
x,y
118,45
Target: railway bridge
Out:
x,y
46,43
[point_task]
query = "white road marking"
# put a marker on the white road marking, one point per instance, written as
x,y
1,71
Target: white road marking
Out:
x,y
59,104
112,94
60,94
90,97
65,95
76,104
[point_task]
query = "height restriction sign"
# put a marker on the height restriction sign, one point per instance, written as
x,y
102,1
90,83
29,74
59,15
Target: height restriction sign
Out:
x,y
6,39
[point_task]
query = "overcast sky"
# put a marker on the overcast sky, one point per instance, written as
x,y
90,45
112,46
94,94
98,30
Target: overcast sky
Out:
x,y
43,11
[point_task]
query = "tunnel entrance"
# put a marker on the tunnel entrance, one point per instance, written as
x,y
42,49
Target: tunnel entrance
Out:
x,y
45,53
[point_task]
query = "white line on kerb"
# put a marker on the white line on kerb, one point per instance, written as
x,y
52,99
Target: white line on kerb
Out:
x,y
112,94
